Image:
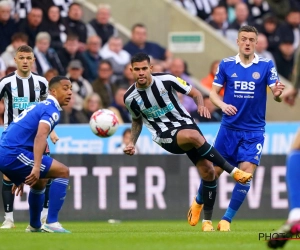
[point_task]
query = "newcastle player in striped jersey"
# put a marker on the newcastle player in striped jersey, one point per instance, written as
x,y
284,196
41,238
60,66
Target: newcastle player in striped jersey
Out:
x,y
19,90
153,100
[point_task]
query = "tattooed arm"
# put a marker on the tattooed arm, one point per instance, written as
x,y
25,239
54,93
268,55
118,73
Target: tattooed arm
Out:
x,y
136,128
198,99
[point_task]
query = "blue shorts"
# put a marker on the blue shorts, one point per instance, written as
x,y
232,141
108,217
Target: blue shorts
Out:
x,y
18,166
238,146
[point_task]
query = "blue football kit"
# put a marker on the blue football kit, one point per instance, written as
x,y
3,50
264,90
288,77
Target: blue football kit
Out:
x,y
17,141
241,136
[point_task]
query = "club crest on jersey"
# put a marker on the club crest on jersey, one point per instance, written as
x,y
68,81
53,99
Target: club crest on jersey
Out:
x,y
183,82
163,92
256,75
37,88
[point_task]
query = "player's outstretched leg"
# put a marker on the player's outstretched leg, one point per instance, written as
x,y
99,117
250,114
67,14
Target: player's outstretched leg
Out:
x,y
292,226
60,175
46,202
208,152
8,202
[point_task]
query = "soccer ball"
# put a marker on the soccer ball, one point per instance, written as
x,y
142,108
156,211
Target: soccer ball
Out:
x,y
104,123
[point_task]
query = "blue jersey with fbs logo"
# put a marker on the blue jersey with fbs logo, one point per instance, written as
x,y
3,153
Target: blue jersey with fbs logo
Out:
x,y
246,89
21,133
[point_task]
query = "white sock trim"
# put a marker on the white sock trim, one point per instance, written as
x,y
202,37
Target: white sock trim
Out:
x,y
294,215
233,171
9,215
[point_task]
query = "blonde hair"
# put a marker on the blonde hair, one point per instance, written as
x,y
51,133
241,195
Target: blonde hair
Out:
x,y
104,6
88,98
43,35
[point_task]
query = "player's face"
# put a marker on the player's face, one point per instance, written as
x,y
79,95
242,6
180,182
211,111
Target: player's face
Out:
x,y
63,92
24,61
246,42
142,73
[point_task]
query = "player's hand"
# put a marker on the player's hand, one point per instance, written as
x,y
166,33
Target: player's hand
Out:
x,y
289,96
229,109
54,137
204,112
278,88
18,190
33,177
129,149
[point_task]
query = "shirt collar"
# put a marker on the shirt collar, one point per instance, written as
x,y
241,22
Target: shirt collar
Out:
x,y
51,97
238,59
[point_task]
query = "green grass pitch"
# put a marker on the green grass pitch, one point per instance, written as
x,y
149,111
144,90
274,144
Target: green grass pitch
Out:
x,y
143,235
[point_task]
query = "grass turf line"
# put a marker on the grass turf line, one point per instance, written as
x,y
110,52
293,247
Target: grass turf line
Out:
x,y
143,235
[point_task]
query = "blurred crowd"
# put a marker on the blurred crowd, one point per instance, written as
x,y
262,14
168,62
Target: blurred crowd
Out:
x,y
97,61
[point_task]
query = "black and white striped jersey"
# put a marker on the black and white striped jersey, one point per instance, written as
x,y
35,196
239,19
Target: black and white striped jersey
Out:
x,y
21,92
158,104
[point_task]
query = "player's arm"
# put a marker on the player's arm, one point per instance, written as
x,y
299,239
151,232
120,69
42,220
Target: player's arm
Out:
x,y
277,90
53,136
198,99
136,128
215,98
39,146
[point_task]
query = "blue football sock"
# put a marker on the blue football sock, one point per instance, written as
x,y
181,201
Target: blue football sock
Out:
x,y
36,199
292,178
239,194
57,195
199,197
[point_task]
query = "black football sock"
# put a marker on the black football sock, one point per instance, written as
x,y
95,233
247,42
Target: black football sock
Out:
x,y
209,198
208,152
7,196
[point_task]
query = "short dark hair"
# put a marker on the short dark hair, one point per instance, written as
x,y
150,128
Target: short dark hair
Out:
x,y
105,61
127,130
24,48
74,4
138,25
248,28
140,57
72,37
57,79
19,36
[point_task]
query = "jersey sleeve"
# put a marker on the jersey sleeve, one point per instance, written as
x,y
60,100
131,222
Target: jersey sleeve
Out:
x,y
133,108
181,85
272,74
2,88
44,89
50,116
220,77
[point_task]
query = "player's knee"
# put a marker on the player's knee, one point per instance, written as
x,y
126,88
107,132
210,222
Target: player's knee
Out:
x,y
195,138
208,174
65,173
218,172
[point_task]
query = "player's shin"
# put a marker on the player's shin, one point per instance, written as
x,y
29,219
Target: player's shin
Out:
x,y
46,202
239,194
293,184
209,197
8,198
36,200
208,152
57,196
